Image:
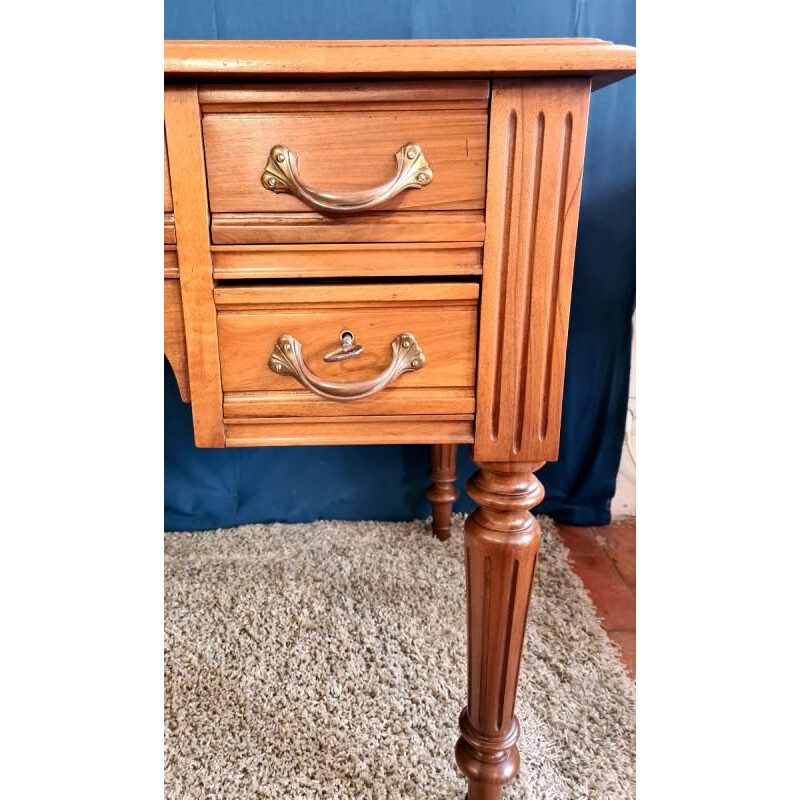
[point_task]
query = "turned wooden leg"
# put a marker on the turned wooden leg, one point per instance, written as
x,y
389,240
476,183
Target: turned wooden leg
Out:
x,y
442,493
501,544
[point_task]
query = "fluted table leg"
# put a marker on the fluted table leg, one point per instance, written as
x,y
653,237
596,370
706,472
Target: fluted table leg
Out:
x,y
442,493
501,544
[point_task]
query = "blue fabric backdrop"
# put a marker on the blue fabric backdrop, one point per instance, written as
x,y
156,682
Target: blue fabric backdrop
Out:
x,y
213,488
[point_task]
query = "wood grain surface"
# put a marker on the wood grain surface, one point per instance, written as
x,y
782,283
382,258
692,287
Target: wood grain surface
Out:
x,y
174,336
383,96
313,228
346,260
167,188
192,223
169,229
442,492
392,400
502,124
501,545
346,151
537,137
171,261
350,430
603,61
443,318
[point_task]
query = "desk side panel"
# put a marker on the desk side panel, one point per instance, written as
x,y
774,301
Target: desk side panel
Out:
x,y
192,223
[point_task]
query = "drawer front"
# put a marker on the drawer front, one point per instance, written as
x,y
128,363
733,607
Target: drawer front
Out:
x,y
345,140
442,318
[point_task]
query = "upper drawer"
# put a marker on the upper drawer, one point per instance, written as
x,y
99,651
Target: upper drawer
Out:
x,y
345,138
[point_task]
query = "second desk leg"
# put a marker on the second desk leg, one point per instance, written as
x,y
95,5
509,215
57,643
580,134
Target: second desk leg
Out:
x,y
442,492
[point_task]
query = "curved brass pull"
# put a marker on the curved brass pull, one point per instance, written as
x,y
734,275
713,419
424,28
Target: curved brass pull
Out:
x,y
287,359
281,175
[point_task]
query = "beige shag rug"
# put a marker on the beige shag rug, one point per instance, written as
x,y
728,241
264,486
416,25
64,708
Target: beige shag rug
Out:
x,y
327,660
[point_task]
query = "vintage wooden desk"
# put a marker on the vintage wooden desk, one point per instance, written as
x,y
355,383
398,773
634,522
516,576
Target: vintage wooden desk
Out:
x,y
372,242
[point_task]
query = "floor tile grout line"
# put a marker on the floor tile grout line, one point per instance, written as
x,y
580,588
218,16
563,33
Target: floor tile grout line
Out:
x,y
594,537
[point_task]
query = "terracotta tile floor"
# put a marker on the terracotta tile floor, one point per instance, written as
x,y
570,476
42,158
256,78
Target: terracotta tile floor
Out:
x,y
604,558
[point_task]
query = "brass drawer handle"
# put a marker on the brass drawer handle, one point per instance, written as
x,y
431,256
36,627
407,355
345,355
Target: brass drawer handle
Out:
x,y
281,175
287,359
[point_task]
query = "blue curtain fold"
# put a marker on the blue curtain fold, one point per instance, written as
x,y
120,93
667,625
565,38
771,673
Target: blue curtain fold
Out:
x,y
217,488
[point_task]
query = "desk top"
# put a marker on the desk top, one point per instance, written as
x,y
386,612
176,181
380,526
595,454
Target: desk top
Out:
x,y
604,61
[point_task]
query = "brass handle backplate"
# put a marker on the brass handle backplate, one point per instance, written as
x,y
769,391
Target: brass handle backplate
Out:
x,y
281,175
287,359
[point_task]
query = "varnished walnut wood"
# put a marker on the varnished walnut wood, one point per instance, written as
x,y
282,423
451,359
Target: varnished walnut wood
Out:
x,y
349,103
375,227
442,316
169,229
603,61
501,544
368,97
171,262
536,144
402,401
342,151
167,188
442,493
169,217
346,260
415,429
365,295
190,205
174,337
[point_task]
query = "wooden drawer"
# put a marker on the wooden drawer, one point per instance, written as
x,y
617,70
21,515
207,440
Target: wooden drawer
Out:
x,y
443,317
345,137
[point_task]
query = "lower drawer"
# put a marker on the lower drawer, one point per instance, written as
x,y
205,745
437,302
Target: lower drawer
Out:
x,y
417,363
